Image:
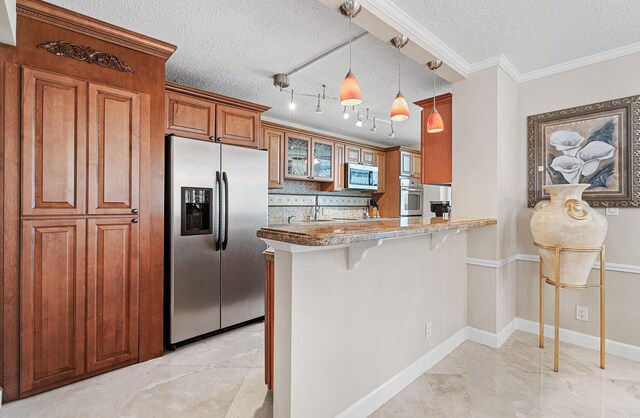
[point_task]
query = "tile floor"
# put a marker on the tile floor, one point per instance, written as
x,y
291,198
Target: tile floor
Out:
x,y
518,381
223,377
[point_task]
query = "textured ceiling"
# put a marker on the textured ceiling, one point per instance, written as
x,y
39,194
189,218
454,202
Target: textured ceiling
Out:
x,y
531,34
234,48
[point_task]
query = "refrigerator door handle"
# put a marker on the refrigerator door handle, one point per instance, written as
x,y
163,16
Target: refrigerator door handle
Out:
x,y
219,186
225,241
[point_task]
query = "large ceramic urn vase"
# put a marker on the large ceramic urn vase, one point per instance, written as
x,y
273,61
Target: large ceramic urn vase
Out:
x,y
568,221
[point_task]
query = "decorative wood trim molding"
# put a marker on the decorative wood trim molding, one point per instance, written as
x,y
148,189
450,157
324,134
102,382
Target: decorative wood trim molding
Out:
x,y
67,19
286,128
86,54
173,87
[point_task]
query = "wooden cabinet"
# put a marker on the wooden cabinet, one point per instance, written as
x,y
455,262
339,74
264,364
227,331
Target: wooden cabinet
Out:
x,y
321,160
274,141
114,150
237,126
436,148
367,156
296,156
338,178
269,274
188,116
112,292
200,114
406,161
52,302
380,163
308,158
416,165
54,109
351,154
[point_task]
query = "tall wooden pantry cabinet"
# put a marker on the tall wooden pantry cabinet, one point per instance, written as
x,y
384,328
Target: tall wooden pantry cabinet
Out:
x,y
82,148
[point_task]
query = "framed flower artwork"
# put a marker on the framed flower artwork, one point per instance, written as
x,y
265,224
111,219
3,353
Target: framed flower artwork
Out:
x,y
597,144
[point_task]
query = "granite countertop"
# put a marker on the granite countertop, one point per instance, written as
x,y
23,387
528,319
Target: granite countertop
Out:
x,y
336,233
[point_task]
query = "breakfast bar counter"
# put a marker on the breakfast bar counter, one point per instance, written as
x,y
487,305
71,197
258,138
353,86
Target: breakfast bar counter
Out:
x,y
321,233
362,307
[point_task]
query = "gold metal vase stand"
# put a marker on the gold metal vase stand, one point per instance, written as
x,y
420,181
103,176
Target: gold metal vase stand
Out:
x,y
556,282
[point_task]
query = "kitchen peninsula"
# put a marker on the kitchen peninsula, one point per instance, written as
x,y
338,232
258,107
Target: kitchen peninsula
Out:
x,y
357,303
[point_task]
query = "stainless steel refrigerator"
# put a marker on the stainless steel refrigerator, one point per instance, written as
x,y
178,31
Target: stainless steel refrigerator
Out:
x,y
216,201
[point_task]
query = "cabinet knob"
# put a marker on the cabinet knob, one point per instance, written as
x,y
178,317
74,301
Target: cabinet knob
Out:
x,y
212,138
134,221
134,211
219,139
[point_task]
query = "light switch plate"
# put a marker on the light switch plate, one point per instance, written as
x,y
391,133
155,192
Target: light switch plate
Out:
x,y
611,211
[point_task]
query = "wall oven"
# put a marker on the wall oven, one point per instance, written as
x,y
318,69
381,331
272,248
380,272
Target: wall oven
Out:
x,y
361,177
411,197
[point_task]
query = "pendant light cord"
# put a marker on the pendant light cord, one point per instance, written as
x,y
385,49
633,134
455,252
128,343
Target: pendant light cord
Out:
x,y
398,70
350,37
434,88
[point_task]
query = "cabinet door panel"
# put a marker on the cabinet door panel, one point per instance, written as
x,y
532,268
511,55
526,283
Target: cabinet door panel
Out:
x,y
237,126
416,165
52,288
322,160
368,156
380,163
351,154
338,180
190,117
405,163
112,292
297,151
114,150
53,144
274,140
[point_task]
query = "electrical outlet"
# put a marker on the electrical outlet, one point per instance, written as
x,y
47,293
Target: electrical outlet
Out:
x,y
582,313
611,211
427,330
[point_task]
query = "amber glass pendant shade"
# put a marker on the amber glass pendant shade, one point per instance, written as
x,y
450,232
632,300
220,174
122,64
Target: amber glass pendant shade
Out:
x,y
350,94
399,109
435,123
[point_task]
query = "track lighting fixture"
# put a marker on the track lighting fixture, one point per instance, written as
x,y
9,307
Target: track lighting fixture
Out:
x,y
434,123
292,104
350,93
400,108
345,114
392,134
359,121
373,128
319,108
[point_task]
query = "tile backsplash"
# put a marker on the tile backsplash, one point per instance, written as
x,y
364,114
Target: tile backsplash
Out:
x,y
297,199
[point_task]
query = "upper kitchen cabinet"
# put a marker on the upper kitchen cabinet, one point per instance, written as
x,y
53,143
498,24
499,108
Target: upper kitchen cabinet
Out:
x,y
380,163
296,156
237,126
190,116
274,141
436,148
358,155
114,149
200,114
54,126
410,164
322,160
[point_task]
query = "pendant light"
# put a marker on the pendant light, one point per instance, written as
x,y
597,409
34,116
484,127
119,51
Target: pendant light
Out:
x,y
350,94
399,108
435,123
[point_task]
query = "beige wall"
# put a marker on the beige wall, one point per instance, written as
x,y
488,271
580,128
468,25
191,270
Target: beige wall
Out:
x,y
484,184
607,80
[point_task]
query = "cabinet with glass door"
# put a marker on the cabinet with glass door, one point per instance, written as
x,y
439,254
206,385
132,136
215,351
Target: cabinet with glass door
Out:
x,y
308,159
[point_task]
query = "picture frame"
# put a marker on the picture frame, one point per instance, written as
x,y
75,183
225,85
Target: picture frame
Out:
x,y
597,144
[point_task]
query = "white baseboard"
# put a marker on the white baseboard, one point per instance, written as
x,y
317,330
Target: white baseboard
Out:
x,y
366,405
490,339
627,351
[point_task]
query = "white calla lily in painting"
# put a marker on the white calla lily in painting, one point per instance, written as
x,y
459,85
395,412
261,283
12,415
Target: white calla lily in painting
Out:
x,y
577,160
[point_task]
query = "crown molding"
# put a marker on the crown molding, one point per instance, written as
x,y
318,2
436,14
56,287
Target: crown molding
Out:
x,y
389,12
76,22
581,62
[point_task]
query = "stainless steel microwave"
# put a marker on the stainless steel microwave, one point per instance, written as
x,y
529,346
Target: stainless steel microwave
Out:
x,y
361,177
